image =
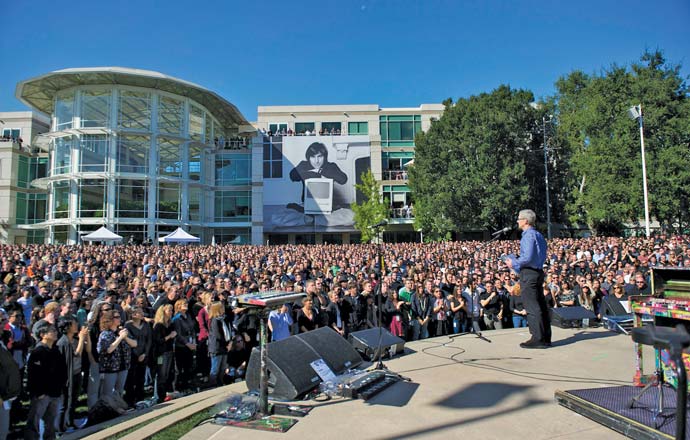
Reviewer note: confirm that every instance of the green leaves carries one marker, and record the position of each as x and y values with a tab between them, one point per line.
372	210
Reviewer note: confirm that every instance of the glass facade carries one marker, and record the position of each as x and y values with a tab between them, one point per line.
358	128
399	130
233	169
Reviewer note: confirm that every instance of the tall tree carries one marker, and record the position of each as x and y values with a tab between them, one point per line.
370	211
606	180
470	169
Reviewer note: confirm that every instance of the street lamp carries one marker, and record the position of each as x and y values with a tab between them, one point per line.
546	176
635	112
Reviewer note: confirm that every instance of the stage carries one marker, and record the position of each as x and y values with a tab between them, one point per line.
467	387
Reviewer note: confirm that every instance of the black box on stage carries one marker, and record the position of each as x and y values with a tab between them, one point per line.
367	341
571	317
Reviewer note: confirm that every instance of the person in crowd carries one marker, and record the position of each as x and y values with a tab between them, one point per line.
517	307
440	308
397	311
421	309
458	311
10	381
238	358
530	267
219	340
46	378
164	339
185	344
114	353
307	316
492	306
71	349
140	331
202	308
280	322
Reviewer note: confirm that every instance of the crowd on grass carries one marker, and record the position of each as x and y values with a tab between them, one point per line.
143	322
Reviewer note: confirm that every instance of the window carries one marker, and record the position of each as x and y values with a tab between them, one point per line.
233	169
195	203
169	157
23	172
273	159
331	127
132	198
134	110
277	128
302	127
60	234
358	128
133	154
194	163
94	153
31	208
35	236
12	133
92	198
61	199
170	115
399	130
168	201
196	123
63	155
233	206
64	111
95	108
232	235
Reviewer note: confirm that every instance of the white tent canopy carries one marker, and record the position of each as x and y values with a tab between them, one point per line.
102	234
179	236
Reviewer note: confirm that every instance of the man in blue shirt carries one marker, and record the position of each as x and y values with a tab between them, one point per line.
530	267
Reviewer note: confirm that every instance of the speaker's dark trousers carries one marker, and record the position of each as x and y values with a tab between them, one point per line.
532	291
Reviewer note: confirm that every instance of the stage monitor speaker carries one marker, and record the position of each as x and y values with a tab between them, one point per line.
367	342
290	375
338	354
570	317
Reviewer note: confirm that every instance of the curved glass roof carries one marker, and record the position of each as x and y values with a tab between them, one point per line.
39	92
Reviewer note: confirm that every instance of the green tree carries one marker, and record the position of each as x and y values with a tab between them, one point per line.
605	187
471	167
372	210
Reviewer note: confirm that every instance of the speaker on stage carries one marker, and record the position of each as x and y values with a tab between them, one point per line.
367	341
290	374
569	317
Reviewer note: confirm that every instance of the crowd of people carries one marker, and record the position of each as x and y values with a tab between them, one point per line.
131	320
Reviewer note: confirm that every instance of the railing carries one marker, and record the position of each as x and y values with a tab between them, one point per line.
401	213
394	175
231	144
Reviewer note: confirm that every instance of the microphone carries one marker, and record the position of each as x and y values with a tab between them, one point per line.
380	224
502	231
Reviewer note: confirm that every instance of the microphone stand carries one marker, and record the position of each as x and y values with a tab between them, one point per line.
382	270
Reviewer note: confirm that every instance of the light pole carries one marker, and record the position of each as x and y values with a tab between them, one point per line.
635	112
546	176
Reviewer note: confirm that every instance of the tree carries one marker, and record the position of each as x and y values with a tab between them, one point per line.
605	187
471	167
372	210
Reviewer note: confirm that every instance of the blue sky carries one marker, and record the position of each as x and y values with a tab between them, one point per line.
394	53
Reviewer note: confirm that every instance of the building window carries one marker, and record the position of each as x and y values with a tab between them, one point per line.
273	159
233	169
303	127
134	110
232	235
170	115
233	206
358	128
12	133
92	198
23	172
133	154
64	111
169	157
63	155
60	234
399	130
394	164
35	236
132	198
196	123
93	153
168	201
331	127
195	161
95	108
278	128
61	199
195	203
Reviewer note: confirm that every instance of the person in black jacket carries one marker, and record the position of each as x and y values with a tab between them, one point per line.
139	330
219	340
163	340
10	385
47	376
185	344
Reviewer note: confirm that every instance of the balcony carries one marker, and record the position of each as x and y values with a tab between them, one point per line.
398	175
401	215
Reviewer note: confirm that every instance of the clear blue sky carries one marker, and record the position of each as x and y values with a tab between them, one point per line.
389	52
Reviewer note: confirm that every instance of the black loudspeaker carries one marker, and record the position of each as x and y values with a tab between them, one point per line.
569	317
290	374
367	342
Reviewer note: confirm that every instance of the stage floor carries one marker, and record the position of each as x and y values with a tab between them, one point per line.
468	388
